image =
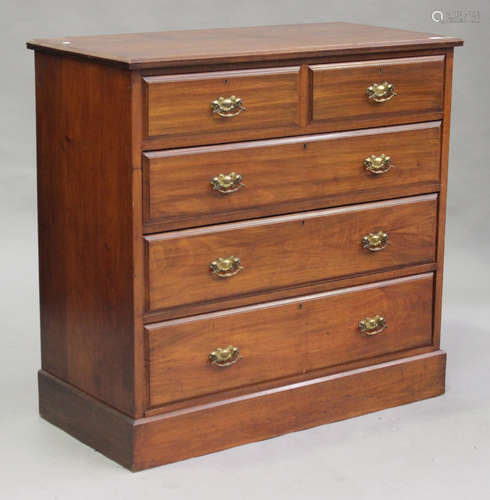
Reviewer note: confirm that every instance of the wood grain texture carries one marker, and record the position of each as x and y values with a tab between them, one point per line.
283	251
284	175
180	105
339	90
259	43
148	442
288	337
86	226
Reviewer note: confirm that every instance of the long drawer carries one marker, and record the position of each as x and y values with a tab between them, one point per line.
219	351
205	185
217	262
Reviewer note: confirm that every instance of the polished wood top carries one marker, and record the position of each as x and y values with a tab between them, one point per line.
225	45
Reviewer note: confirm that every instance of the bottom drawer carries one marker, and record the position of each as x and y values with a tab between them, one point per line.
286	337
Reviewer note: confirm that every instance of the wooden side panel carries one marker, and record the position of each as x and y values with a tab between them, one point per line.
86	226
286	338
280	252
339	91
181	105
196	431
285	175
92	422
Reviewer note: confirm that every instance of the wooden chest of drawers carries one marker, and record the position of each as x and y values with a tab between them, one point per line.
241	231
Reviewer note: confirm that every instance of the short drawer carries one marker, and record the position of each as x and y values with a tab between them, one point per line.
220	351
354	93
217	262
221	103
198	186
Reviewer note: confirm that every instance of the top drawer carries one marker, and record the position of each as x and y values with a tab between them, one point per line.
226	106
381	92
190	105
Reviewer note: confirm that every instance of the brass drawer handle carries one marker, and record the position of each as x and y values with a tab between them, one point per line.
227	183
224	356
225	267
372	326
375	241
378	164
381	92
227	107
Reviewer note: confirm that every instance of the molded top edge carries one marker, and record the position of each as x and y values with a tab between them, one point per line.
228	45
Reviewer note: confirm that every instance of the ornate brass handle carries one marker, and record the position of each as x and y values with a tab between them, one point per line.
227	183
226	267
381	92
224	356
372	326
375	241
227	106
378	164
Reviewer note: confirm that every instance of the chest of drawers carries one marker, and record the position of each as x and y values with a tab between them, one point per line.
241	231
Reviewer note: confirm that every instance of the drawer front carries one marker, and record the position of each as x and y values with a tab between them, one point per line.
182	105
286	337
183	267
340	96
193	186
